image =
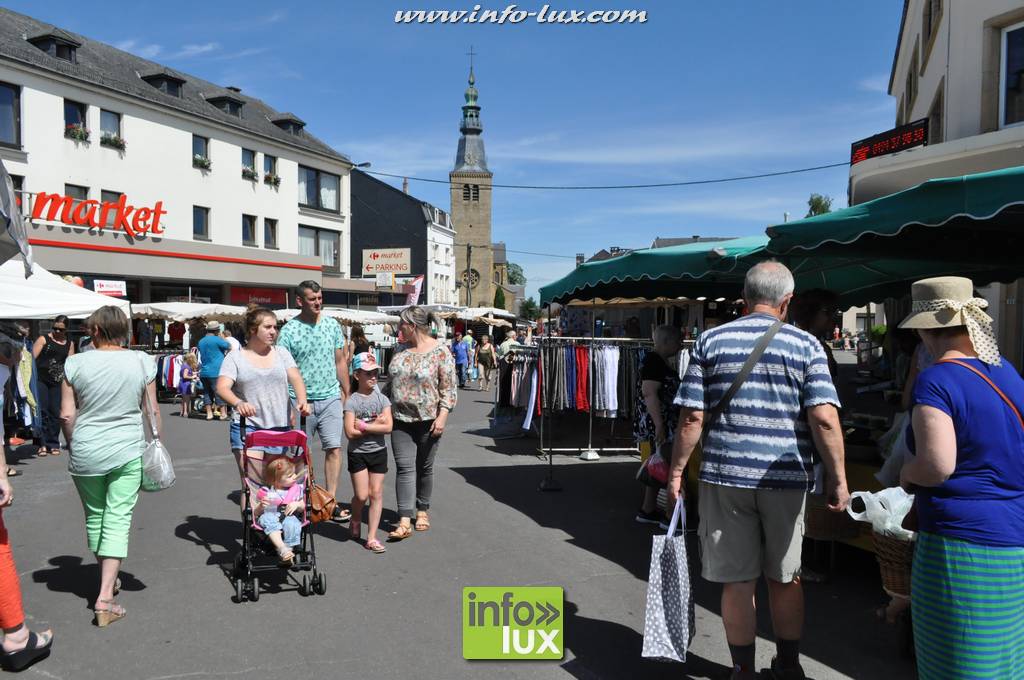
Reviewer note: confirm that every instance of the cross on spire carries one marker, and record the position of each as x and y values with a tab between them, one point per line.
471	54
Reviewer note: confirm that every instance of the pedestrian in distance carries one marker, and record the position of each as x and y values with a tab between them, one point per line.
51	352
367	420
967	477
486	360
187	384
231	340
460	352
423	391
212	349
316	343
102	417
764	389
276	505
255	382
357	344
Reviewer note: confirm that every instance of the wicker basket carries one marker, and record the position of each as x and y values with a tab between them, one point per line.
821	524
895	557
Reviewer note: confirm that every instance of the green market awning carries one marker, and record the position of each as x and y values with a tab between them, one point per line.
972	220
710	269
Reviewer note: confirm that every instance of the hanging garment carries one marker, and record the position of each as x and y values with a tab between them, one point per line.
533	397
582	379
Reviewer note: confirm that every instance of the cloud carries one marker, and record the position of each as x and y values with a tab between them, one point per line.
194	50
402	155
877	83
132	45
733	206
241	54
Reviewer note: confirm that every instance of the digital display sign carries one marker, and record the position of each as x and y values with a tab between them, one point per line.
898	139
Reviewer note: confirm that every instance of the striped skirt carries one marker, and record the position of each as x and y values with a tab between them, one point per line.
968	608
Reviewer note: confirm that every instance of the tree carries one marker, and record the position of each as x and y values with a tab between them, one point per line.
516	277
528	309
818	204
499	299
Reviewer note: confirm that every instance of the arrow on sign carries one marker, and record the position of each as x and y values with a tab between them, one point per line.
548	614
369	268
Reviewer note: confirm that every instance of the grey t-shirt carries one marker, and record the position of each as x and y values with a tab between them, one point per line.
264	388
367	407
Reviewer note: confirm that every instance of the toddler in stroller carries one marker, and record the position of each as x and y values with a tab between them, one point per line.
276	505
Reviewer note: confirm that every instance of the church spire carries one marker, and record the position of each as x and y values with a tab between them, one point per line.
471	156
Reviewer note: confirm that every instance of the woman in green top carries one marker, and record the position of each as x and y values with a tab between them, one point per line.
101	414
487	360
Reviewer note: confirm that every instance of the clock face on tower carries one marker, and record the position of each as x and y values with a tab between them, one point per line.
471	278
470	158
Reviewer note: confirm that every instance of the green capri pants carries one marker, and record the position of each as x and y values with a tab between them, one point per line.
108	501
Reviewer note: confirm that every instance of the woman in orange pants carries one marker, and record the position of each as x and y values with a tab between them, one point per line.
21	647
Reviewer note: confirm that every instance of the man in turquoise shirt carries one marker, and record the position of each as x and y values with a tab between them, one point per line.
212	349
318	347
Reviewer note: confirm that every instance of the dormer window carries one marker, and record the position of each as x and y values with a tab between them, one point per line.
289	122
228	104
165	80
57	43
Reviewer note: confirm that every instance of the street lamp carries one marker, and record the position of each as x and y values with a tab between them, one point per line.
362	165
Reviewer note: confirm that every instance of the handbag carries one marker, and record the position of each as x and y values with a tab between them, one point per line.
910	522
670	620
321	502
654	470
157	470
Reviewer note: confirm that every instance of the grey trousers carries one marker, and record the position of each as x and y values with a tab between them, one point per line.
414	451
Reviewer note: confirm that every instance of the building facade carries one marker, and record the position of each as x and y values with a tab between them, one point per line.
177	187
960	65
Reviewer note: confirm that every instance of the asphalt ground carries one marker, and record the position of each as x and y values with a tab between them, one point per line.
396	615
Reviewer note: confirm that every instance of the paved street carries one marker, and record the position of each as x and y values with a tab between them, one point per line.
395	615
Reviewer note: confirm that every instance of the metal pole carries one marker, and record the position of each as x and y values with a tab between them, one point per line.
590	453
549	483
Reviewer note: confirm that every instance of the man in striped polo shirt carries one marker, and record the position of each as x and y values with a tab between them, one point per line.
757	463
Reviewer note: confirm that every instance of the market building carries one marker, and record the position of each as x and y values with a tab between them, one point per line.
402	238
161	186
958	82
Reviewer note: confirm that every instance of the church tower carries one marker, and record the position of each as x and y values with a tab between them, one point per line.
471	207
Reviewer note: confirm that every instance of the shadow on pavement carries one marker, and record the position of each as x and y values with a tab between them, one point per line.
222	538
71	575
596	509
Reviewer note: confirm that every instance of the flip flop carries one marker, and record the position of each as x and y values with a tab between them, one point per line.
375	546
23	658
42	453
12	472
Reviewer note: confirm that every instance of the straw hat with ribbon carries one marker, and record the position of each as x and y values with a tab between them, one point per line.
948	302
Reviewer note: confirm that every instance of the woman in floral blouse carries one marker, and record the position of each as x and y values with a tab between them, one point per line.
423	390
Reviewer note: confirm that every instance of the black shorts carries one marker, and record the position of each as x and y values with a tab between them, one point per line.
376	462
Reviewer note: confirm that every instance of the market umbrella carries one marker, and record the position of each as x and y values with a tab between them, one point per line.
183	311
346	317
13	234
45	295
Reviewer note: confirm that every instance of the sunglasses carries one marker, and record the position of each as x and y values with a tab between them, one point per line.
59	329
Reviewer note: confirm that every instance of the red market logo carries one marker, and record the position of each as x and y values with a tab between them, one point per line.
89	213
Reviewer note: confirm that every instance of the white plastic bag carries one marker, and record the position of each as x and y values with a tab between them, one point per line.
885	511
157	471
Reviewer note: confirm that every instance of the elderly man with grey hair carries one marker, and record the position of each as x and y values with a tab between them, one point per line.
761	419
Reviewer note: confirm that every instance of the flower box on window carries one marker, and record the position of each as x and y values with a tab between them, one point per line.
77	132
113	141
272	179
201	162
249	174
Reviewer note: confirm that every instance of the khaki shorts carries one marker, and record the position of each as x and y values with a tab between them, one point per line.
748	532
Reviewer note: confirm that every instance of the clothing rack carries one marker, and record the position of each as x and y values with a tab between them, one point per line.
590	452
527	423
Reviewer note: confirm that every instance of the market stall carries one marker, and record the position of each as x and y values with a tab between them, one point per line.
44	295
184	311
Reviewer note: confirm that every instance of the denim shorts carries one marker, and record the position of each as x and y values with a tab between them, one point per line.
235	434
326	420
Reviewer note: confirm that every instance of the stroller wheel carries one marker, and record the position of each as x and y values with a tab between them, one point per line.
304	588
239	590
320	584
254	586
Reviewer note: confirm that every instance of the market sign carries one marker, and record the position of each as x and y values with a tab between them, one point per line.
111	288
386	261
89	213
258	296
898	139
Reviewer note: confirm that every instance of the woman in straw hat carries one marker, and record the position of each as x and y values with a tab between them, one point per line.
967	591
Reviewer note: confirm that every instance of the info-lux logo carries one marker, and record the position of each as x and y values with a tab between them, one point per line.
512	622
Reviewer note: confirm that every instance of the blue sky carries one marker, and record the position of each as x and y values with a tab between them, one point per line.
705	89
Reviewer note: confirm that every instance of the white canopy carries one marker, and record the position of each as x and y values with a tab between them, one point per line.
45	295
473	313
183	311
344	316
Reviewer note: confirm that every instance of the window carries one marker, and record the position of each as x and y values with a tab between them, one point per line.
931	17
110	197
78	193
249	230
66	52
1011	77
74	113
465	192
437	254
911	89
318	189
19	185
110	123
200	146
249	159
200	223
323	243
935	117
10	115
269	164
470	192
269	233
447	256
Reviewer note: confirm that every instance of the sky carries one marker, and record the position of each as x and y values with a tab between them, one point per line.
702	90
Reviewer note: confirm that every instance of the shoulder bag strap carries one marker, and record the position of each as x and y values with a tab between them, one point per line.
741	377
991	384
146	406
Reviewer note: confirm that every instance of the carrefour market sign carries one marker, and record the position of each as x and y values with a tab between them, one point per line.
88	213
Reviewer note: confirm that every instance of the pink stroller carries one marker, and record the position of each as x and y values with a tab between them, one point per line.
257	554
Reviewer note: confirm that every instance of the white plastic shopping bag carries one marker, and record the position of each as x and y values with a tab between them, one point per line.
157	471
670	621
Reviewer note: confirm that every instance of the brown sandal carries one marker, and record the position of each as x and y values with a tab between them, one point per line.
402	531
422	520
109	614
